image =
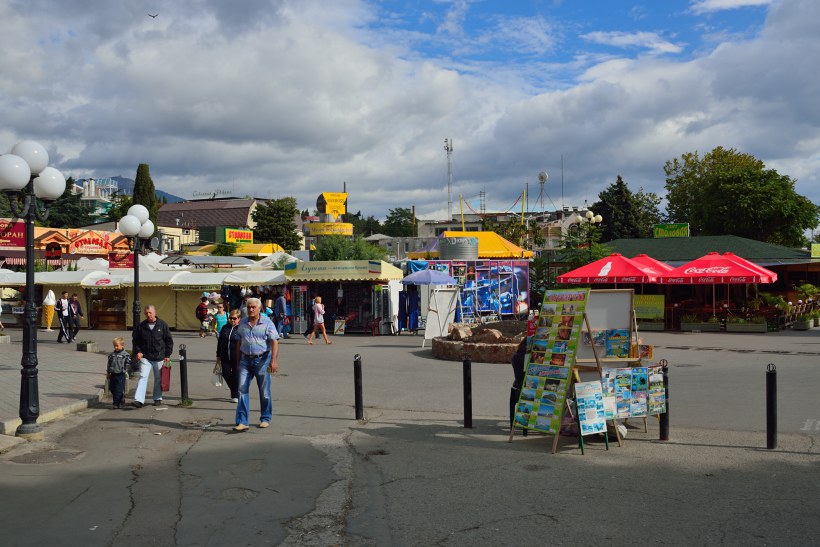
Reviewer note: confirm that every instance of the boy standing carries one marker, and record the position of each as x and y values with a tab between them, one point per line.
117	367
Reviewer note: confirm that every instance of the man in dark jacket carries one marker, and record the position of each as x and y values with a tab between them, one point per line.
153	346
75	313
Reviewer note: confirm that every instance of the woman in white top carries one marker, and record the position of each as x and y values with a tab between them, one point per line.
318	321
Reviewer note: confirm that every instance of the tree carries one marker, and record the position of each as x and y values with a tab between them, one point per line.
68	211
649	211
225	249
729	192
619	209
363	226
576	244
344	248
275	223
144	192
119	207
399	223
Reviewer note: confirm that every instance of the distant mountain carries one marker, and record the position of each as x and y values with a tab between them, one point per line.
126	186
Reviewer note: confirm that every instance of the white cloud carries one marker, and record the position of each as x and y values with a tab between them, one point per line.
649	40
708	6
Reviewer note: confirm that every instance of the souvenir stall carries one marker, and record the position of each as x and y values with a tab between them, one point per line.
188	288
106	300
348	290
155	289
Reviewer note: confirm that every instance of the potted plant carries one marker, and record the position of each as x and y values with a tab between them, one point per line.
803	322
815	318
754	323
87	345
695	323
652	324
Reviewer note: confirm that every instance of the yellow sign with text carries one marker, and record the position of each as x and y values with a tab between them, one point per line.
335	202
233	235
330	229
648	306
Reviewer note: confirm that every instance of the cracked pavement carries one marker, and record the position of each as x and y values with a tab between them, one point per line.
410	474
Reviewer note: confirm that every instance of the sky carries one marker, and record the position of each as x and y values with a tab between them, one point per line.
275	98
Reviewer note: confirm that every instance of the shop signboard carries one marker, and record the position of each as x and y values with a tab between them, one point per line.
330	228
815	250
236	235
648	306
54	251
334	203
91	242
120	260
680	229
12	233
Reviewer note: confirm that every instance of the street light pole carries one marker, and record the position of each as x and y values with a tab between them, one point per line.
136	226
590	219
25	175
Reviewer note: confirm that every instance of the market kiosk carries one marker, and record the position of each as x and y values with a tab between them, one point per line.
348	290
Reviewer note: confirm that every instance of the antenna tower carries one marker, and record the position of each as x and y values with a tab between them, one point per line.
448	147
482	200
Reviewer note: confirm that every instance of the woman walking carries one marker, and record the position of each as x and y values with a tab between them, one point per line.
318	321
226	354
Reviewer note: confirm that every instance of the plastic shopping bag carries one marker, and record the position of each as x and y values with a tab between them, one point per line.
165	378
216	376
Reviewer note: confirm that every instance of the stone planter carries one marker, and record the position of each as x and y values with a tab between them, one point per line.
815	321
801	325
746	327
90	347
650	326
5	339
703	327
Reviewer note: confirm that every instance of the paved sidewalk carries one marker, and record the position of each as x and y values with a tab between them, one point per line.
68	380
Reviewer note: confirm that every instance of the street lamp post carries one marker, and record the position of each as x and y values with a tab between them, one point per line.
136	226
590	219
26	177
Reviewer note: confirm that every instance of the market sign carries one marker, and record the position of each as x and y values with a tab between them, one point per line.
333	203
648	306
54	251
12	234
815	250
90	242
235	235
330	228
120	259
680	229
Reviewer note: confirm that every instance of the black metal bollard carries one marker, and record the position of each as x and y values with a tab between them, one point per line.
183	372
664	418
771	406
357	383
467	370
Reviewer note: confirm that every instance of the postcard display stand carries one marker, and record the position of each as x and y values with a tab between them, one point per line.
632	385
602	332
549	363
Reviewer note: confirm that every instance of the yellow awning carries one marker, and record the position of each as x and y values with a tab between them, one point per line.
243	249
490	245
342	270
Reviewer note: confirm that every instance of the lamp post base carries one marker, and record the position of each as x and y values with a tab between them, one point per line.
30	432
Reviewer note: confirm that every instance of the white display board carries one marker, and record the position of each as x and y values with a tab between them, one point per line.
607	310
441	313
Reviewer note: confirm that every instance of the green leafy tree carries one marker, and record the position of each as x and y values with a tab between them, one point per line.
345	248
144	192
399	223
225	249
275	223
68	211
582	245
363	226
728	192
649	211
119	207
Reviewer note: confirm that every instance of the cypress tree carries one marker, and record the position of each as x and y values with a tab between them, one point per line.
144	192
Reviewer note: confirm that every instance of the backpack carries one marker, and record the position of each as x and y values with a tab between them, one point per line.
201	312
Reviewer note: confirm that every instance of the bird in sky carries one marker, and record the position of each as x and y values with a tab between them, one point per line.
153	16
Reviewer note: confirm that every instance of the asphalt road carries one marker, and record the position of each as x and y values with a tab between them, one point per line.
411	474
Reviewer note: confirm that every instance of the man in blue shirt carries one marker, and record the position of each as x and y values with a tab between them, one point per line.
258	348
280	309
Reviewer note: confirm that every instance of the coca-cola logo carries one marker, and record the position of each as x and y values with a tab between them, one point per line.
675	280
738	280
629	280
103	281
709	270
707	279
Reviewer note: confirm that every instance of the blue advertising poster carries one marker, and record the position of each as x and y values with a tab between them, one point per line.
491	286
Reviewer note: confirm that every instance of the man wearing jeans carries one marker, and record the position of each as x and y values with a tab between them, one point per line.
153	346
258	348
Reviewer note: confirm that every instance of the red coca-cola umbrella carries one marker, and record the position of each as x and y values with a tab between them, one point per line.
749	264
614	268
654	263
714	268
